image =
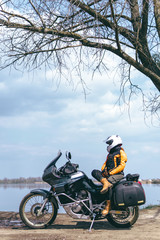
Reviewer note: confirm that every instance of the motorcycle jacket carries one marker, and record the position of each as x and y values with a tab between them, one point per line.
115	162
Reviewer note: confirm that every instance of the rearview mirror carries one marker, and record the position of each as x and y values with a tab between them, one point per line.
68	155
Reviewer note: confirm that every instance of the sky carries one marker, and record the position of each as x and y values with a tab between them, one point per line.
40	115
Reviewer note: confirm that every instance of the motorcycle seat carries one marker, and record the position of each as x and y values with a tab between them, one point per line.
96	185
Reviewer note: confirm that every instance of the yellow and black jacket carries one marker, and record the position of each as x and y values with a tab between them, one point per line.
115	162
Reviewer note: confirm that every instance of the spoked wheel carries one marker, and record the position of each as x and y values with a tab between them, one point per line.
30	214
124	220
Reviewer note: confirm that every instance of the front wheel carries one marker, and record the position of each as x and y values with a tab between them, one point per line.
125	219
29	211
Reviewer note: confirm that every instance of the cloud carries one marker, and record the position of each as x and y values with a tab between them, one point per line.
28	103
40	115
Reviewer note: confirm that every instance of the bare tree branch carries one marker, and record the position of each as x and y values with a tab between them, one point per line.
36	32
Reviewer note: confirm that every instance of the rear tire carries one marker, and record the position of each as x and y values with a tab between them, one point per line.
124	220
29	207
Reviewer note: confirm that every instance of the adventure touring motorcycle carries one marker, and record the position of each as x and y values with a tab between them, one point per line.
81	198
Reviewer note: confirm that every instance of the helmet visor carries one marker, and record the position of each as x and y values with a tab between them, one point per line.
109	142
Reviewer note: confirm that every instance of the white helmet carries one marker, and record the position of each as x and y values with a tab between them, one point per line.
113	141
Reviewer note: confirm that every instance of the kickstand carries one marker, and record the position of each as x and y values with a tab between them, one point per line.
94	215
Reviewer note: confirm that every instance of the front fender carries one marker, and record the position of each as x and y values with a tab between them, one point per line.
46	194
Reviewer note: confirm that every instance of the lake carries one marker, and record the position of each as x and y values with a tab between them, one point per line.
12	194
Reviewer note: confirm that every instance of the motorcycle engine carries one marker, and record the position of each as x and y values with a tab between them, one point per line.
77	209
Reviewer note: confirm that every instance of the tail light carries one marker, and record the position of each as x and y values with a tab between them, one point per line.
139	182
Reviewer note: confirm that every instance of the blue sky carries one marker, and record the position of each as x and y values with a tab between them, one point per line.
39	114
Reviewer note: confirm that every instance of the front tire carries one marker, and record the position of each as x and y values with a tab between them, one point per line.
29	207
125	220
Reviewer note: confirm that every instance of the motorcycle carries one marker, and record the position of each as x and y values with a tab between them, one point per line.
81	198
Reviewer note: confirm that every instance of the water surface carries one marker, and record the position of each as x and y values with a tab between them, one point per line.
12	194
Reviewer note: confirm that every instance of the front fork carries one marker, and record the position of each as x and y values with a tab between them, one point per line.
39	212
47	195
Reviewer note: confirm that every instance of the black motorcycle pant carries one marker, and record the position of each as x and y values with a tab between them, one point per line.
112	179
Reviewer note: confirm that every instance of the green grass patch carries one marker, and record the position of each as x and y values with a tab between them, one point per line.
151	206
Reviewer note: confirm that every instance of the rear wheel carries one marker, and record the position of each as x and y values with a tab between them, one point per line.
29	211
124	220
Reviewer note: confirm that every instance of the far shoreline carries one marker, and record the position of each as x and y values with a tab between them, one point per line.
38	180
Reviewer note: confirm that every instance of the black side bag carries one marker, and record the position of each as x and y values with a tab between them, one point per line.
128	194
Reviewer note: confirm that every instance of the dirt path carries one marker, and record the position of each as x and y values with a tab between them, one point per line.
65	228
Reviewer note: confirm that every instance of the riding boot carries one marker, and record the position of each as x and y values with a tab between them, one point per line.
107	208
106	185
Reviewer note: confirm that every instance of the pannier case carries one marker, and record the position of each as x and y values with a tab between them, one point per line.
129	194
